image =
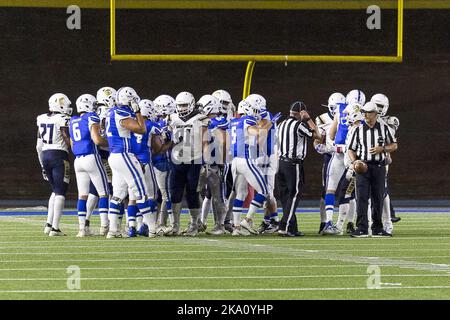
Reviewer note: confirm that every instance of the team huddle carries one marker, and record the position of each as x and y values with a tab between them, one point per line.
140	158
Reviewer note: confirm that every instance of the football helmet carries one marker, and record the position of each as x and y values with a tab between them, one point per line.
224	98
165	105
353	112
256	101
241	107
106	96
86	103
126	95
334	100
209	104
382	103
356	96
59	102
184	103
393	122
148	109
252	110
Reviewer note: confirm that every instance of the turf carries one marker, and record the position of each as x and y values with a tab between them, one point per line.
414	264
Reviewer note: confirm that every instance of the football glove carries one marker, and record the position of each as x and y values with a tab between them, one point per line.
44	174
135	106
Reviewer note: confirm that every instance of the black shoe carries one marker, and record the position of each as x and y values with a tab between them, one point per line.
291	234
274	222
350	227
381	234
263	226
359	234
228	227
396	219
322	225
88	223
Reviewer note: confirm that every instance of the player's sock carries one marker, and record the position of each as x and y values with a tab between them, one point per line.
103	205
176	211
386	215
113	215
58	211
131	215
323	214
351	210
139	220
237	211
120	217
256	204
343	210
51	209
195	216
329	206
91	204
274	216
148	214
81	208
206	208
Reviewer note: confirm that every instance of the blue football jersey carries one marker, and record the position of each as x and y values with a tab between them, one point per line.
118	136
242	145
342	128
80	133
161	157
141	143
269	145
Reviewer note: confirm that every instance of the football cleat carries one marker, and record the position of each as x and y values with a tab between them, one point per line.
56	233
396	219
263	226
143	230
191	231
104	230
112	235
88	232
381	234
152	234
47	228
359	234
132	232
330	229
322	225
239	231
248	225
81	233
217	230
350	227
202	227
228	227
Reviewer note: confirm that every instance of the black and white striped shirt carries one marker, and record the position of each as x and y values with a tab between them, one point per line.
292	135
363	138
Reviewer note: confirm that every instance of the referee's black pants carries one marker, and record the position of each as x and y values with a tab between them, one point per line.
370	184
289	181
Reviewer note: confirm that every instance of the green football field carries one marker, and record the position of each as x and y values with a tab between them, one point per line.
414	264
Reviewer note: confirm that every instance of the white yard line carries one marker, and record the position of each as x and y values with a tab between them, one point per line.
336	276
226	290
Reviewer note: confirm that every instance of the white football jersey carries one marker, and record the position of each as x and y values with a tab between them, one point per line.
49	126
188	135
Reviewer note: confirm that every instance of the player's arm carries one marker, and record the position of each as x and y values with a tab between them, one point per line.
66	136
39	145
96	135
137	126
255	129
333	128
307	119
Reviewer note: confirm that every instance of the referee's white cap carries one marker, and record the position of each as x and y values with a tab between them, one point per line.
369	107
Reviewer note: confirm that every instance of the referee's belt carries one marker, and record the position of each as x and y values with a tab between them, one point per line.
294	161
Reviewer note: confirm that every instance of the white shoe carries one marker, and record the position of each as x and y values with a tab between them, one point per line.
104	231
152	234
81	233
47	229
238	231
88	232
56	233
112	235
248	225
330	229
160	231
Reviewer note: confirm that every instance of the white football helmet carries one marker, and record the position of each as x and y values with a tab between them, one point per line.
224	99
209	104
256	101
334	100
356	96
59	102
107	96
393	122
382	103
353	112
148	109
241	107
252	110
185	103
126	95
165	105
86	103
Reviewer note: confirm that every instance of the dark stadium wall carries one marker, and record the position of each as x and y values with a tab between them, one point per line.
39	57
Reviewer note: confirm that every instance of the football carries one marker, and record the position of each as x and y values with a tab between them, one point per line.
360	166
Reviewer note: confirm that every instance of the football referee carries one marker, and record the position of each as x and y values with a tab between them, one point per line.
292	142
370	142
